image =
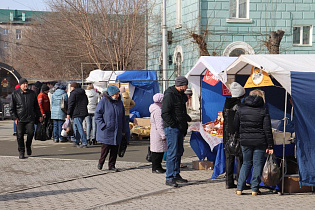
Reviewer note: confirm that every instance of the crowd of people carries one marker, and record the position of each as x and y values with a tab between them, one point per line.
107	119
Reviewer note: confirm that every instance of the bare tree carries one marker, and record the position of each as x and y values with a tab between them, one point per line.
108	33
273	43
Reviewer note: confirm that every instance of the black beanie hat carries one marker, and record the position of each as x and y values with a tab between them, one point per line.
45	87
181	81
22	81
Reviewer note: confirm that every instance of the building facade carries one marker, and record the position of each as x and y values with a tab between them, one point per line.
233	27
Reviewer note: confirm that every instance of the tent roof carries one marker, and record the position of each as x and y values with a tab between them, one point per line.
216	66
105	76
278	66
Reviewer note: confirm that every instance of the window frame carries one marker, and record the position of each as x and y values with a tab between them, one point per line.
5	31
237	19
301	36
18	35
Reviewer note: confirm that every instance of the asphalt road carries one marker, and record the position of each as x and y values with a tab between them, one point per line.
136	151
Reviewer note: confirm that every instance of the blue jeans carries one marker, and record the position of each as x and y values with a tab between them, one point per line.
90	126
175	150
78	130
57	129
127	128
252	156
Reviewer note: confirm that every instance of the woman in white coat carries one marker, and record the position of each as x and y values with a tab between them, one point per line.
158	143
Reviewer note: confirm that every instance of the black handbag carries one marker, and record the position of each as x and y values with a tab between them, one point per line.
40	133
233	145
123	146
149	155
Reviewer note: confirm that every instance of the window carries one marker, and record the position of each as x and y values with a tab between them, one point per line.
5	31
18	33
239	9
302	35
238	48
5	44
178	13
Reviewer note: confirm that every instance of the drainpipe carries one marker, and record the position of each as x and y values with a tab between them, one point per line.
164	47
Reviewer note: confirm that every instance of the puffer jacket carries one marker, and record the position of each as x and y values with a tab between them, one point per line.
128	103
253	122
174	111
56	112
110	118
93	99
230	107
24	106
157	144
77	104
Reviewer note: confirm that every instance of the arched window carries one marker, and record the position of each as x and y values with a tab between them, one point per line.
178	60
236	49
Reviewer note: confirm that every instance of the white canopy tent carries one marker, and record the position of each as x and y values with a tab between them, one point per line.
215	64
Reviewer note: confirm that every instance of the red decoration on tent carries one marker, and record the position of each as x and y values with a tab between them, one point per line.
225	90
209	78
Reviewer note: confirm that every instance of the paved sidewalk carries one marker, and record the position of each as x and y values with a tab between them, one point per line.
37	183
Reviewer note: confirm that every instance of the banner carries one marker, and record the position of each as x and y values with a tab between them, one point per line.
225	91
210	78
258	78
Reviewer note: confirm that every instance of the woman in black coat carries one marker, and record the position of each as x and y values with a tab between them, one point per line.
252	120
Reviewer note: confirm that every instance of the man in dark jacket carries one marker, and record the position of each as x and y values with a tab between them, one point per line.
175	118
230	107
77	109
25	111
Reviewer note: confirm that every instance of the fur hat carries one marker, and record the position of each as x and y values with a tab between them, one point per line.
181	81
22	81
237	90
112	90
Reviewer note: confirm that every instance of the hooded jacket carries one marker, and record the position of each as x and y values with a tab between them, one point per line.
77	104
56	112
174	111
93	99
157	135
128	103
253	122
110	118
24	106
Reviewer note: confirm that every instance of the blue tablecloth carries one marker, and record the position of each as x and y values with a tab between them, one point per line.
217	156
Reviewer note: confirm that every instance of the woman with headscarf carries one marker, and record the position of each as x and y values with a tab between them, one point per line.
109	118
158	143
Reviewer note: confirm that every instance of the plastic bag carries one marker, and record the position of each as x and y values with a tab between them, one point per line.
149	155
122	147
271	171
68	127
233	146
40	133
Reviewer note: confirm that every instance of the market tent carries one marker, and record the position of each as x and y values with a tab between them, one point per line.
296	74
146	85
215	64
101	78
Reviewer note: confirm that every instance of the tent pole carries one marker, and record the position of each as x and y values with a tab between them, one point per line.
283	145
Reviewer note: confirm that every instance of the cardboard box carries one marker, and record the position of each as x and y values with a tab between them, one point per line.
202	165
292	185
144	122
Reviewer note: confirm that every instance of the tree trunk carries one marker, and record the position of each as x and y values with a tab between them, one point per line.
273	44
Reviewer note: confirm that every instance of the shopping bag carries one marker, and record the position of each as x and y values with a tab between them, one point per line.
149	155
232	145
68	127
122	147
63	104
49	129
40	133
271	171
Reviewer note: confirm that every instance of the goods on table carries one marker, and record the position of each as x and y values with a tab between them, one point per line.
215	127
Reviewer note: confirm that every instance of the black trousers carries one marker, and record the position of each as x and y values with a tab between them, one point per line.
112	150
21	129
157	158
229	165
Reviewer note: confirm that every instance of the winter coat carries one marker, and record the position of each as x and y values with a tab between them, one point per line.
24	106
56	112
110	117
128	103
230	107
157	135
77	103
93	99
253	122
43	102
174	111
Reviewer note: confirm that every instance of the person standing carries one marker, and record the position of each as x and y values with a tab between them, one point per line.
109	117
14	125
158	143
254	125
25	111
230	107
77	109
56	113
93	99
128	104
175	118
44	103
